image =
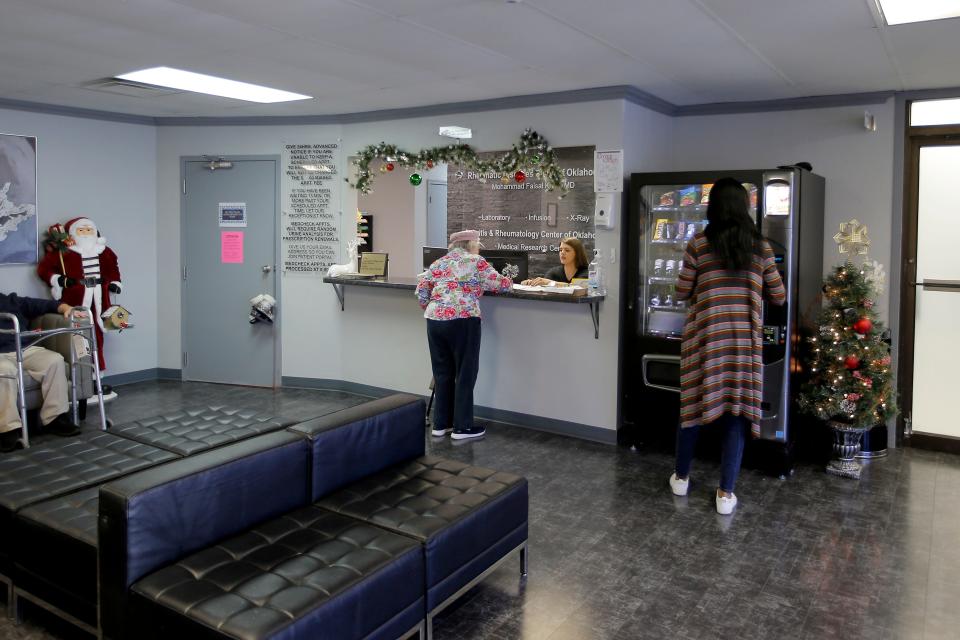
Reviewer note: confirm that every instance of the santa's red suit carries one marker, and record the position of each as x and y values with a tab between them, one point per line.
87	276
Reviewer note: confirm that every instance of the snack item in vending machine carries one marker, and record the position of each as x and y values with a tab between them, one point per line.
689	196
705	193
691	231
668	301
670	267
658	267
655	300
668	199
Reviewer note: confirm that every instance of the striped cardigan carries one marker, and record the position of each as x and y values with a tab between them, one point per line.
721	367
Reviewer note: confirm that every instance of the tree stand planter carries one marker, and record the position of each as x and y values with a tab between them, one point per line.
846	445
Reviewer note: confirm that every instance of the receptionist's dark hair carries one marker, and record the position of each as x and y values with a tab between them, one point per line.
579	253
731	232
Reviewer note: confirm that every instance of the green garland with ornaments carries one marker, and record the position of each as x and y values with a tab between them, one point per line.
849	362
531	155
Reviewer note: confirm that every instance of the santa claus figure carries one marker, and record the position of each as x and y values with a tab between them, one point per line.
83	273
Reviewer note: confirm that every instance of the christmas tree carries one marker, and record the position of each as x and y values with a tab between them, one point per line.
849	362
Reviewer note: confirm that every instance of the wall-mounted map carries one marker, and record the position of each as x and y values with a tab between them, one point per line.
18	199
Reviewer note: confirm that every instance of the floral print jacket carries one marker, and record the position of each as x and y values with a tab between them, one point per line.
452	286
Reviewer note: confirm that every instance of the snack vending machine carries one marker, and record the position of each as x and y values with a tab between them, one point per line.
666	211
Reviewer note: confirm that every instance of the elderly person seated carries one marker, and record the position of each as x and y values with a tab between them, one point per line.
45	366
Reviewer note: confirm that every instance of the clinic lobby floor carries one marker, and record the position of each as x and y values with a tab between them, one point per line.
614	555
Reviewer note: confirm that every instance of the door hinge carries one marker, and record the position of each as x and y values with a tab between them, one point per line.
184	272
184	186
184	359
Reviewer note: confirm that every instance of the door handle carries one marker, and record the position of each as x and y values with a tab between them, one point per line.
938	285
266	268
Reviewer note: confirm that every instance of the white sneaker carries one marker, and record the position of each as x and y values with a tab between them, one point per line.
439	433
725	504
679	486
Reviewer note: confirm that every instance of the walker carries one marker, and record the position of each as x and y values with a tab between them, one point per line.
76	328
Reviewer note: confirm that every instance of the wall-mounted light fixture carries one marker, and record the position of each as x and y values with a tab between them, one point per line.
459	133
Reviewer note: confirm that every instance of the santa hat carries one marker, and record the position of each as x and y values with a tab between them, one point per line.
81	222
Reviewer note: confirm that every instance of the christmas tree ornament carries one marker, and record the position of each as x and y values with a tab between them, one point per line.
383	168
416	179
851	362
852	238
390	166
519	176
429	164
863	326
505	179
535	158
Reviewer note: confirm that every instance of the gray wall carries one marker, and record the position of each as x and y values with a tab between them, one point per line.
858	164
105	171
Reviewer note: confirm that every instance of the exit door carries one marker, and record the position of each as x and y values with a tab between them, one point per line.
228	257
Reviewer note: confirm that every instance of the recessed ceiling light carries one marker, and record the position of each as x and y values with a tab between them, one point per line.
460	133
211	85
903	11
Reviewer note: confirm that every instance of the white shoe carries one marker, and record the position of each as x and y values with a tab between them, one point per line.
679	486
725	504
439	433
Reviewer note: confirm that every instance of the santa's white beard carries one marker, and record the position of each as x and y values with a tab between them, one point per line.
86	246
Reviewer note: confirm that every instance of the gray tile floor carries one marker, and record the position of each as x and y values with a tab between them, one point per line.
615	555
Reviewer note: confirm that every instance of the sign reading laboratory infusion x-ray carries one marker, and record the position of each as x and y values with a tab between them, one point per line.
524	216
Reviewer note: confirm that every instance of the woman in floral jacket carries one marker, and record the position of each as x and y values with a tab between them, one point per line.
450	291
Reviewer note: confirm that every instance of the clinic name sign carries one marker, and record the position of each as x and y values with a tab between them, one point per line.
310	229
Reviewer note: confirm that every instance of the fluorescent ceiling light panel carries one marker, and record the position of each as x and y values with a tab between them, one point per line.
211	85
461	133
903	11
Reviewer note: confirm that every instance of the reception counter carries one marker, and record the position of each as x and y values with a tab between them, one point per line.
410	284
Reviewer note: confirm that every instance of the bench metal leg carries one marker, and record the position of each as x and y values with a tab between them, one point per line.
524	559
15	609
9	589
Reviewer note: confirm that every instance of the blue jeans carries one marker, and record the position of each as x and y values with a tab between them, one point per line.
455	359
734	436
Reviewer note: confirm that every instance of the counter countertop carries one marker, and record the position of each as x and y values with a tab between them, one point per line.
411	284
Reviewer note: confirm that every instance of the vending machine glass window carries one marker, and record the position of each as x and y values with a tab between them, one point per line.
674	214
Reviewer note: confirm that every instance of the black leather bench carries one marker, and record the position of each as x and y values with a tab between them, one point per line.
46	471
467	518
307	574
191	431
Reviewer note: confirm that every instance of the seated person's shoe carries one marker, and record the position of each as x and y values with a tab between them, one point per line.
10	441
439	433
62	426
726	504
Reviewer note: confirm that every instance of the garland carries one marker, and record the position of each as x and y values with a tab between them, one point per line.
531	150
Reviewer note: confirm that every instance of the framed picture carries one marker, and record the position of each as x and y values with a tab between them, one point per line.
19	231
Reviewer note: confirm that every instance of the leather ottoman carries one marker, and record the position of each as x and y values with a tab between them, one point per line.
308	574
191	431
467	518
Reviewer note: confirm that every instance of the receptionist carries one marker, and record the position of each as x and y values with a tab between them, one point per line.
573	265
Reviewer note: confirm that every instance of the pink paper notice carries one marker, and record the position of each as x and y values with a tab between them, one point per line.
231	247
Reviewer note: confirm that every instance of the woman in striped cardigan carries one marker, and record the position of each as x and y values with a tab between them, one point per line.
727	271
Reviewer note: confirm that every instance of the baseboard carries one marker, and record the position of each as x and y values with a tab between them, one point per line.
169	374
537	423
946	444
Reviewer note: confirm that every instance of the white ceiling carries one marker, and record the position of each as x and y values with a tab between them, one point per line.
364	55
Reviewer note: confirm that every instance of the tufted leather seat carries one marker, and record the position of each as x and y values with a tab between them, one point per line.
190	431
467	517
53	535
308	574
62	466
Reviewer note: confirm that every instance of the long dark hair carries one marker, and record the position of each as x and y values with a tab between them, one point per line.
731	232
579	253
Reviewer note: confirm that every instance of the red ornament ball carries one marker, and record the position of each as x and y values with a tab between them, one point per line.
863	326
852	362
390	166
429	164
519	176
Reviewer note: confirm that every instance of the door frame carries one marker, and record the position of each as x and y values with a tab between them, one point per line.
915	139
426	223
277	254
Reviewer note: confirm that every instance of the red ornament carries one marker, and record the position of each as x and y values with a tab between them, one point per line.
389	166
429	164
863	326
519	176
852	362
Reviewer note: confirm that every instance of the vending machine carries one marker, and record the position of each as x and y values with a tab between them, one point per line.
666	210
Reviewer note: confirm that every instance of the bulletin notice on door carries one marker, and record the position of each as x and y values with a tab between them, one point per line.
310	238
